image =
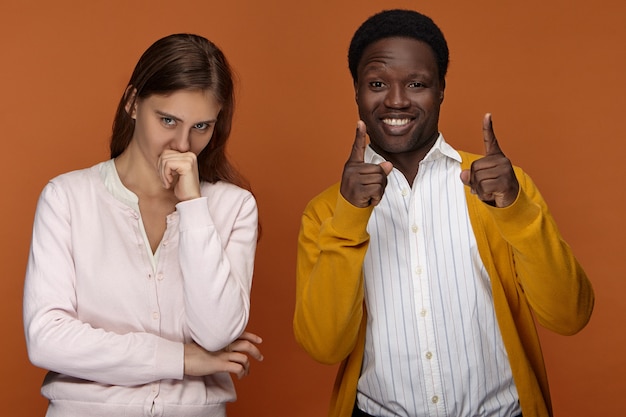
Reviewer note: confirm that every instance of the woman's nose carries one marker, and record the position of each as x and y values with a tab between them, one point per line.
180	142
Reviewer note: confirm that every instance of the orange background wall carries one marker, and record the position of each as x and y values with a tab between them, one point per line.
552	72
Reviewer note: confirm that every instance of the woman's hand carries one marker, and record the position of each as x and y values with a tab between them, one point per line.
180	171
233	359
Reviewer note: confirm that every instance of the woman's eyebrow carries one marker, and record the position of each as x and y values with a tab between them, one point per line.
178	119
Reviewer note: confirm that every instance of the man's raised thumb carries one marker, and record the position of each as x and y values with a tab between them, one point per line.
386	166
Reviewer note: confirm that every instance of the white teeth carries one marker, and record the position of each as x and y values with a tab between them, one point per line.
396	122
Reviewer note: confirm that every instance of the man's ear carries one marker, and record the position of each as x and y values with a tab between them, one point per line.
442	91
130	96
356	92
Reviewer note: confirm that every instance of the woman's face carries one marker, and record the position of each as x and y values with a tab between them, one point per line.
182	121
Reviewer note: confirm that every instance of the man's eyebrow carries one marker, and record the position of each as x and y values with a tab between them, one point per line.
178	119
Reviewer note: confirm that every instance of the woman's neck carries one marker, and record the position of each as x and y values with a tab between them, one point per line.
139	175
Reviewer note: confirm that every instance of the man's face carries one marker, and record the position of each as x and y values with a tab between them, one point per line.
398	93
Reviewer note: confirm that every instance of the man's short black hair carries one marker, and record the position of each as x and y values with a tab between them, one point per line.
403	24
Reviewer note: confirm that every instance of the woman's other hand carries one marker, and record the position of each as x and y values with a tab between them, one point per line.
235	358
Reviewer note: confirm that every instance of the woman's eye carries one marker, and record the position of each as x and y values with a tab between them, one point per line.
201	126
168	121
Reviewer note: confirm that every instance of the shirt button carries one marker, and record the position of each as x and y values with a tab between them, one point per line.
435	399
160	277
414	229
429	355
418	270
155	315
405	192
423	313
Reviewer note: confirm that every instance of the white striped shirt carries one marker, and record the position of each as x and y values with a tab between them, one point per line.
433	346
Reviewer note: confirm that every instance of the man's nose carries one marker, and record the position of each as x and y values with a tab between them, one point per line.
397	97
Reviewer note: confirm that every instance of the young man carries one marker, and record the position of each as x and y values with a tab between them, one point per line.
422	270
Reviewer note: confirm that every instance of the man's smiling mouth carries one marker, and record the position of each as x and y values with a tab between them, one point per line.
396	122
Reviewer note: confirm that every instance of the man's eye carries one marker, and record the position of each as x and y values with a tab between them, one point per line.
168	121
416	84
377	84
201	126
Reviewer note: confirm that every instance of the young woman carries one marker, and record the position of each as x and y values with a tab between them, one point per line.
138	283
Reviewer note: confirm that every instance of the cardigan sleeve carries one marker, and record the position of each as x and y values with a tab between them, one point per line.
218	236
56	338
329	286
555	285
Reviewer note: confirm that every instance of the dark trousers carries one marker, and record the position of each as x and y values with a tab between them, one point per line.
358	413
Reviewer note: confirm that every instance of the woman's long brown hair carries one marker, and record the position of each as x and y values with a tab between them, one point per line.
184	62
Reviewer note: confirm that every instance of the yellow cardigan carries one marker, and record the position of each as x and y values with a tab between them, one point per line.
533	275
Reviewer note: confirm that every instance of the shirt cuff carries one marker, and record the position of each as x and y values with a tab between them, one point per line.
170	360
350	220
194	214
519	215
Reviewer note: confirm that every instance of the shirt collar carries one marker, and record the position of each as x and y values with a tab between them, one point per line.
440	149
113	183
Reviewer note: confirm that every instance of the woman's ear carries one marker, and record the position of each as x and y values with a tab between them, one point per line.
130	96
